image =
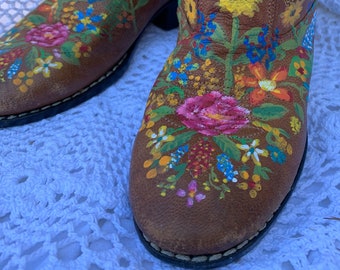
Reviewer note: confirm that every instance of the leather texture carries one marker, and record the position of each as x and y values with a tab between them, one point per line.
224	129
63	47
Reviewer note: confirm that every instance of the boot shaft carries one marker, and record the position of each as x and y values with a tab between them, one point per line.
277	16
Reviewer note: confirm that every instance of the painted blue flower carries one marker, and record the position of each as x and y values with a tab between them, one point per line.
202	39
266	47
87	21
276	154
182	68
307	42
14	68
177	155
226	167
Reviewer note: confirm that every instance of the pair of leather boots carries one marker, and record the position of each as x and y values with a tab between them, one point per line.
223	137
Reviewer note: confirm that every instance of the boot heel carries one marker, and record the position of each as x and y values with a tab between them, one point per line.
166	18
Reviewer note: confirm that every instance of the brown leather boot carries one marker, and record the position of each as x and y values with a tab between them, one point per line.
64	52
224	132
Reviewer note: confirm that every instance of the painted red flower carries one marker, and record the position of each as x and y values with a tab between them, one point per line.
48	35
302	52
213	114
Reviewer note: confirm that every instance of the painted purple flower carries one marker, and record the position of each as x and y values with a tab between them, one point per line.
48	35
213	114
191	194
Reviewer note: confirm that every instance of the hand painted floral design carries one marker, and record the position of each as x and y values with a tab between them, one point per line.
125	19
225	166
202	39
240	7
24	80
58	34
48	35
213	114
220	137
292	13
157	139
276	154
301	71
88	21
251	151
182	68
45	65
191	11
192	194
200	158
262	85
265	49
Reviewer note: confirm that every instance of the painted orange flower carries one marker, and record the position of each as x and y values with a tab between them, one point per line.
263	85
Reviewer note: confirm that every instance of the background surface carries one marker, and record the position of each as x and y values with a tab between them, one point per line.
64	180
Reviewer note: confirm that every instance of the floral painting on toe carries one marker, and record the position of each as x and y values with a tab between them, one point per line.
229	102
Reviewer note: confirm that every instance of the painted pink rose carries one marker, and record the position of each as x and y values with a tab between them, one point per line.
213	114
48	35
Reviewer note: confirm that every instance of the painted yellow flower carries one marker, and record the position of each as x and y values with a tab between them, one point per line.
44	66
301	70
24	80
68	17
295	125
251	151
157	139
8	41
81	49
162	162
240	7
172	100
292	13
253	185
191	11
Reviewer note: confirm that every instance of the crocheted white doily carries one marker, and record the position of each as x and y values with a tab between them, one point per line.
64	180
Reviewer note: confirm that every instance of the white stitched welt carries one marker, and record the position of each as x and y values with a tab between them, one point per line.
60	102
211	258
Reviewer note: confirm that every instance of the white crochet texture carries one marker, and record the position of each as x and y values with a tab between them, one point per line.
64	180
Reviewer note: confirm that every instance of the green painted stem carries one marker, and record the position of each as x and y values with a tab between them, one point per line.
133	13
229	62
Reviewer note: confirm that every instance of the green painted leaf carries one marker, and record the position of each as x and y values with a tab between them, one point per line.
141	3
252	34
299	111
177	90
243	59
263	172
269	111
284	133
181	170
179	140
86	37
68	54
160	84
228	147
161	112
224	189
290	44
30	59
36	19
219	35
302	31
